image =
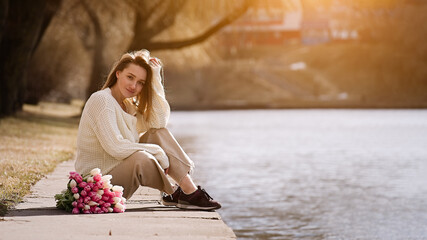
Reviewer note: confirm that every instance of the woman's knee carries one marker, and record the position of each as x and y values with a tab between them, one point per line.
154	134
158	130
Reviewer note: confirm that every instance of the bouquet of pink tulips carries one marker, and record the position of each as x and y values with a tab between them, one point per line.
91	194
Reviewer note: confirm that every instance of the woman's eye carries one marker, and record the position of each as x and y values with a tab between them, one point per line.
130	77
140	83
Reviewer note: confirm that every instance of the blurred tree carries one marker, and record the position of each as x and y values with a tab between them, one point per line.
22	24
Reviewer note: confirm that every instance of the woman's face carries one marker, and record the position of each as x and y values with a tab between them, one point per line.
131	80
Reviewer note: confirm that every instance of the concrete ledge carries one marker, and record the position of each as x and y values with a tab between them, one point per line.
145	217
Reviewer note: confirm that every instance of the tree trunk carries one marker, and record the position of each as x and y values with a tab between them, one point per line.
19	37
99	67
4	8
35	90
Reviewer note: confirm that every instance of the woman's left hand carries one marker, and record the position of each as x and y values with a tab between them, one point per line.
155	62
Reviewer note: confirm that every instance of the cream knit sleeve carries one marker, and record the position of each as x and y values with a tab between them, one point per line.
112	141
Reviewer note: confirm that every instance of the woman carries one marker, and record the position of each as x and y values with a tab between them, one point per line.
123	132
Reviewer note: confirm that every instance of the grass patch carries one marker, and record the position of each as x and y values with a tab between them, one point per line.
31	146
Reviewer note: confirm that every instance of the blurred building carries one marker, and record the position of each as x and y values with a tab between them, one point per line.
341	27
308	23
268	25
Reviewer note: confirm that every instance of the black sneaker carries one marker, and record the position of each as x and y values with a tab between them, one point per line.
171	199
198	200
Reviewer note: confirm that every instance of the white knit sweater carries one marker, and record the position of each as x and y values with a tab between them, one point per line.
107	134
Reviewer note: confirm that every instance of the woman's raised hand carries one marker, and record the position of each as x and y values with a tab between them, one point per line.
155	62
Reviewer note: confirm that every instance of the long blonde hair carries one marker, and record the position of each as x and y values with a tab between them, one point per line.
141	58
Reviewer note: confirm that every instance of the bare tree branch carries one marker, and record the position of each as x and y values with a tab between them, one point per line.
161	45
164	19
142	30
145	15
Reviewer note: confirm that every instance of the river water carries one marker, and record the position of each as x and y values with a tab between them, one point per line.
312	174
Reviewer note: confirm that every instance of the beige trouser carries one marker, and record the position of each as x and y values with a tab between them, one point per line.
143	169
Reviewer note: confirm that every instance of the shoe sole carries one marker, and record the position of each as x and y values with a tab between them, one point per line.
169	204
194	207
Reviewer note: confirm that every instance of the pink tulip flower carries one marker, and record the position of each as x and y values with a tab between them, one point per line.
87	188
100	184
87	200
96	198
73	175
76	210
91	194
83	193
105	198
78	179
97	178
92	209
74	190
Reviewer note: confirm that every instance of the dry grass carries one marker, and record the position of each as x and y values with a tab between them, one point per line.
30	147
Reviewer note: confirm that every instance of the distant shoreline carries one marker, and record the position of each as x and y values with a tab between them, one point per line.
296	106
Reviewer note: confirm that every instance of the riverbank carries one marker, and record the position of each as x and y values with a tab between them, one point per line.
145	218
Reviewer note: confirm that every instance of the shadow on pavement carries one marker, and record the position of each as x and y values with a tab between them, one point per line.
53	211
47	211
